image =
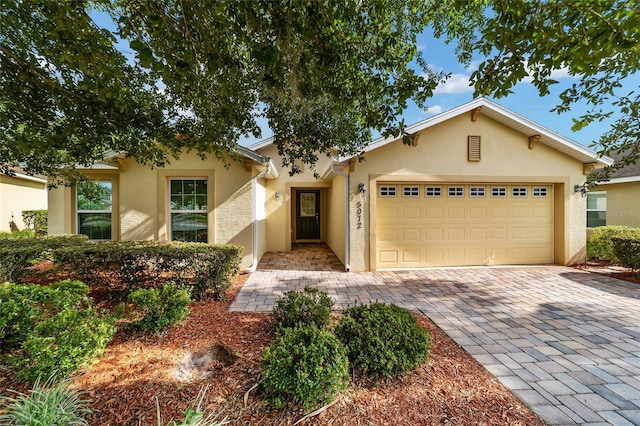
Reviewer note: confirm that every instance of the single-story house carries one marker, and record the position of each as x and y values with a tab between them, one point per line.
617	201
18	193
479	185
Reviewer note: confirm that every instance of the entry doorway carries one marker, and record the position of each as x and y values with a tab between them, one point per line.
307	215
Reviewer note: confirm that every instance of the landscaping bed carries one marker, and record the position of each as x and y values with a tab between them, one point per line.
139	369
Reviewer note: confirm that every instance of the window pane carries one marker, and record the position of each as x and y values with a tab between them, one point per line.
97	226
189	227
94	195
201	187
597	201
596	219
176	187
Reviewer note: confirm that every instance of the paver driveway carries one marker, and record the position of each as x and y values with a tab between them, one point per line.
566	342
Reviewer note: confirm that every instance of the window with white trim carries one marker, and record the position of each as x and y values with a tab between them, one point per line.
433	191
540	191
387	191
519	191
596	209
455	191
93	208
410	191
476	191
188	206
499	191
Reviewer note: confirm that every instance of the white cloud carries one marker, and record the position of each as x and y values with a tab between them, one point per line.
433	110
556	74
456	83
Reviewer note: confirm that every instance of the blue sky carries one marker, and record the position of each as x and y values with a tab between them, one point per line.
456	91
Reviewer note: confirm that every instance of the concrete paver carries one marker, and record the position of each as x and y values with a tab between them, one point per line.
566	342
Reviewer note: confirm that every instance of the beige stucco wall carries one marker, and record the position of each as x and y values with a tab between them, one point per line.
143	205
17	195
623	203
336	217
279	226
441	155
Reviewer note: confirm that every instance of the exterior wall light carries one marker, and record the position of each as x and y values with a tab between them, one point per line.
582	189
278	194
362	189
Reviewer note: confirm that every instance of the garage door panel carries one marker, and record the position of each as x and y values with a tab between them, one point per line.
418	231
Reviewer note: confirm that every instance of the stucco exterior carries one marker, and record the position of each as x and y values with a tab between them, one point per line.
623	203
252	193
17	194
140	196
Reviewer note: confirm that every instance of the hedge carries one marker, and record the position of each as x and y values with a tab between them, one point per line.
627	250
139	264
600	245
19	254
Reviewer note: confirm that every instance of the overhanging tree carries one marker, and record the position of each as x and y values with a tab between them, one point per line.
323	73
596	41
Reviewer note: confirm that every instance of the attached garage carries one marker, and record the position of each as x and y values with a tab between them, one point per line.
422	224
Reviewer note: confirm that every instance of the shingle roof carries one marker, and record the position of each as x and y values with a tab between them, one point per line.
627	171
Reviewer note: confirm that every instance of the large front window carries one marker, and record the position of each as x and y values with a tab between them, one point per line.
596	209
94	209
188	207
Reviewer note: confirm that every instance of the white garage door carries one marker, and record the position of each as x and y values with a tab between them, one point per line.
420	225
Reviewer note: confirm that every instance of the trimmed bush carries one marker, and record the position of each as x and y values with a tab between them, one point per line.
56	331
25	233
383	340
305	365
308	307
203	267
600	244
161	308
19	254
22	306
627	249
48	403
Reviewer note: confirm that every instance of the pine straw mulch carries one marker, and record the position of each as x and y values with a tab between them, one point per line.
139	369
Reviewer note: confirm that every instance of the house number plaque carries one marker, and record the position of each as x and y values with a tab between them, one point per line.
359	215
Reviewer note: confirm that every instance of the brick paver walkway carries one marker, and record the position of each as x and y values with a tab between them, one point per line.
566	342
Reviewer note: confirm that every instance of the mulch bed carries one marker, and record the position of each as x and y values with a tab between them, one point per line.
139	371
610	269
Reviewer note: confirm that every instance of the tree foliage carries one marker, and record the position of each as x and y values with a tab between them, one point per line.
323	73
595	41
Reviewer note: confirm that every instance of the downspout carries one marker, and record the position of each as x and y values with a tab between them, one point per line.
254	183
347	227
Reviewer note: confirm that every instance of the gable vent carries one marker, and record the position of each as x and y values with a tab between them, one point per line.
473	143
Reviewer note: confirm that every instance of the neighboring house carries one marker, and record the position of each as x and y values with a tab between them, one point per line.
18	193
616	202
480	185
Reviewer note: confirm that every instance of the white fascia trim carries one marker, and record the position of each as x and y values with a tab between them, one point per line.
627	179
261	144
29	178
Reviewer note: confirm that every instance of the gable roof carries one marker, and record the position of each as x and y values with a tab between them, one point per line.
629	173
498	113
510	119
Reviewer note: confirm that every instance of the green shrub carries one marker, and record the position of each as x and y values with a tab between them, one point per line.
383	340
627	250
161	308
306	365
23	305
17	255
600	245
36	221
24	233
307	307
140	264
51	329
64	342
46	404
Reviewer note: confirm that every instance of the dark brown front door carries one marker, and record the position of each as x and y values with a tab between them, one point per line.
308	215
